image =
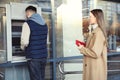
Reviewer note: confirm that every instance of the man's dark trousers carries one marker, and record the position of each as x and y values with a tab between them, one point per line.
37	68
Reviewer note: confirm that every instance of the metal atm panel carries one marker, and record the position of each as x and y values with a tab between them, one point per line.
3	48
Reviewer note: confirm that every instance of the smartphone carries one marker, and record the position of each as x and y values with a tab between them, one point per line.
78	43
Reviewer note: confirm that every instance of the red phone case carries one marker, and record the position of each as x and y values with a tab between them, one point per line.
78	43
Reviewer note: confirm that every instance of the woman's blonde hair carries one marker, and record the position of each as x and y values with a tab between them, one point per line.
98	13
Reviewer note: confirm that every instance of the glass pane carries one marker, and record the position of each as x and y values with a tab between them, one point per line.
68	29
112	17
68	26
114	75
49	68
2	35
48	18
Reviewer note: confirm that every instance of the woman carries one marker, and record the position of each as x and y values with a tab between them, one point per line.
95	52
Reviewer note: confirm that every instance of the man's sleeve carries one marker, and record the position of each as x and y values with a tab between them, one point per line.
25	36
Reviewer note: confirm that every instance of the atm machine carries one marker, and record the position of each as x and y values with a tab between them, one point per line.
12	17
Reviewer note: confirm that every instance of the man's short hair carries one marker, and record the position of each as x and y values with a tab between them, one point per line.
32	8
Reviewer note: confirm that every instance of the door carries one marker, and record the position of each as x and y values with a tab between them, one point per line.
67	27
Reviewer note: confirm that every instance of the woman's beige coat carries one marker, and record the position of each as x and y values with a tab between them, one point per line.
95	57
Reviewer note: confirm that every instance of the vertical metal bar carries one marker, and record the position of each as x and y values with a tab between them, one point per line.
9	34
53	39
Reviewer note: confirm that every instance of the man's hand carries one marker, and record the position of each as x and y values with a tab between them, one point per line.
24	46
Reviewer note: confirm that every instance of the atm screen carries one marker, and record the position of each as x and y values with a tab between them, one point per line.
16	34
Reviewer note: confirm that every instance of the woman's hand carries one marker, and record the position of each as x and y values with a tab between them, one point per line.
79	47
80	44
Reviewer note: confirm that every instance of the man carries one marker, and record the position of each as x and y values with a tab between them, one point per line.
34	43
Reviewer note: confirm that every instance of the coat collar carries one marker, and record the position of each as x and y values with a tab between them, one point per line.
92	34
94	26
95	30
